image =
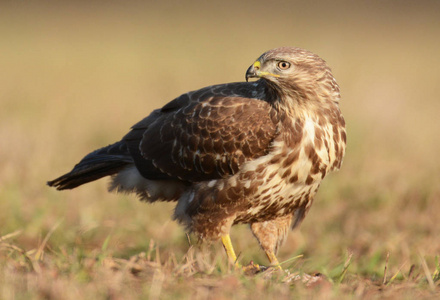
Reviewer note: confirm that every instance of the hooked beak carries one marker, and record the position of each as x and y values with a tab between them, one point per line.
253	71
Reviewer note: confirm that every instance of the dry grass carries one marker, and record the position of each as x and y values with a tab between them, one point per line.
76	76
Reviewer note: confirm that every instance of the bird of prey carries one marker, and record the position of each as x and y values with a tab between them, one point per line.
236	153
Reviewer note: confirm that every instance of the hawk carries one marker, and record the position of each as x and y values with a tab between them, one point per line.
236	153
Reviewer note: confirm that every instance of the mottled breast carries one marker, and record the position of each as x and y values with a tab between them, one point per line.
309	147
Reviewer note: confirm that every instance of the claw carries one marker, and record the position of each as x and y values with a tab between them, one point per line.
251	268
273	260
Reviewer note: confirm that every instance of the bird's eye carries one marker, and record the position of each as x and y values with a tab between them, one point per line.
283	65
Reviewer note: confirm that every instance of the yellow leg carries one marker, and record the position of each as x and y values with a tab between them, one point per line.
226	240
273	259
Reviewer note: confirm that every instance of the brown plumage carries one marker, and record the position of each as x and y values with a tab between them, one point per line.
246	152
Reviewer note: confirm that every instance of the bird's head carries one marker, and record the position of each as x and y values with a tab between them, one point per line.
295	73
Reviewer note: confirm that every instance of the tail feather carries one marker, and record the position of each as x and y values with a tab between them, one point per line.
102	162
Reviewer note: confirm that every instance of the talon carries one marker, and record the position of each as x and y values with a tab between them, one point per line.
273	260
252	269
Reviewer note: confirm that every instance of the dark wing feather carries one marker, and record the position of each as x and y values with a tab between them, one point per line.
133	140
206	134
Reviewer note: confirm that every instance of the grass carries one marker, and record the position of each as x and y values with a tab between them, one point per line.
76	77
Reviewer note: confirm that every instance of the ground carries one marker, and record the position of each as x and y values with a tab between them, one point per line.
75	78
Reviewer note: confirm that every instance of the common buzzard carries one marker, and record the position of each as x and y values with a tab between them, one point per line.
244	152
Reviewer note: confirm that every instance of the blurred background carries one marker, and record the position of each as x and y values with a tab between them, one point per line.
74	76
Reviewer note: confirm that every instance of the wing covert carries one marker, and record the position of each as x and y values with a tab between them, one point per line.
202	136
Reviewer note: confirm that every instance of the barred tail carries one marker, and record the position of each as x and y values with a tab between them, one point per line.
100	163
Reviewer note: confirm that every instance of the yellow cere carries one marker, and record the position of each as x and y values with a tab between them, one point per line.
257	65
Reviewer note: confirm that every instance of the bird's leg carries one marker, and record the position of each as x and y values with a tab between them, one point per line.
251	268
273	259
226	240
271	234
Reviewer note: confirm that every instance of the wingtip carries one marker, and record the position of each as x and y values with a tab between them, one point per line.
53	183
56	183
